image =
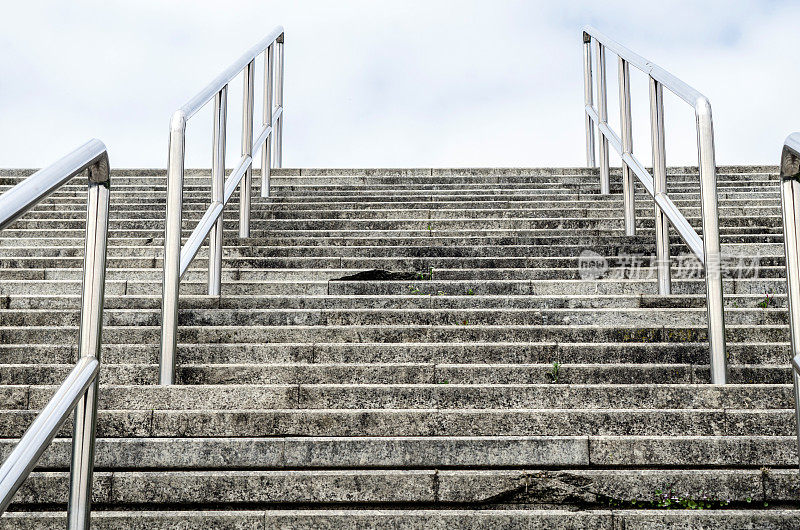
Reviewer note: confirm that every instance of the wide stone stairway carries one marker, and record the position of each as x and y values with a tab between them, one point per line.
412	348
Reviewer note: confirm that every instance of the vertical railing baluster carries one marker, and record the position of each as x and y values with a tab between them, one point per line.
89	340
279	101
790	207
796	383
588	98
660	185
172	249
266	150
217	191
628	190
711	242
602	116
247	150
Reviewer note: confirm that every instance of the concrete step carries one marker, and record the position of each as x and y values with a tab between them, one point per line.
427	422
418	396
474	352
433	301
598	519
420	316
478	286
436	452
399	373
371	487
457	332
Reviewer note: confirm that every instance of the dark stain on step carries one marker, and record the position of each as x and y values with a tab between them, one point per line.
551	488
378	275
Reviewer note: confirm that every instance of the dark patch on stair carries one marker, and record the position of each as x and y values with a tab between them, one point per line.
378	275
551	488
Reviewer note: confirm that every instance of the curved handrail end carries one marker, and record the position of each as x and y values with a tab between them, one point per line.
100	170
790	156
177	123
702	107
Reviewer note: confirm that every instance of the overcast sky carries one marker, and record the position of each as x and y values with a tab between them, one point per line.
401	83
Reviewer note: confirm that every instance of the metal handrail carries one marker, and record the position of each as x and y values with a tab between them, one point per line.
707	248
790	206
79	390
177	258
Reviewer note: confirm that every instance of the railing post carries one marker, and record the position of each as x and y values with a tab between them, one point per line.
588	98
660	185
602	116
266	150
711	244
279	101
790	206
172	249
89	340
796	384
217	192
247	150
628	190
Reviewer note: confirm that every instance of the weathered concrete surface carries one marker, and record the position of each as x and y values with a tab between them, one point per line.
406	348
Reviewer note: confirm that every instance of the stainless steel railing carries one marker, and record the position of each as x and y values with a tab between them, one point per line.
707	248
79	390
177	258
790	203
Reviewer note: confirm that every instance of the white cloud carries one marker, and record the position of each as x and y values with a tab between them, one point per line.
376	83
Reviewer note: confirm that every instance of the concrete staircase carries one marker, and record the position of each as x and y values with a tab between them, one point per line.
412	349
